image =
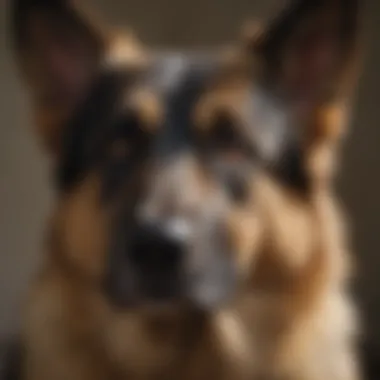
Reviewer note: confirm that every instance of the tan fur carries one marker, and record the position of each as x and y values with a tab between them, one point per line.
297	312
290	318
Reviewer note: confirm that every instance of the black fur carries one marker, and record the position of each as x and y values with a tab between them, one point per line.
84	135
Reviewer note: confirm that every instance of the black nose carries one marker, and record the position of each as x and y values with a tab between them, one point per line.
155	252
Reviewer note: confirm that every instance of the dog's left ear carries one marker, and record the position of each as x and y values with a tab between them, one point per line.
309	49
309	56
58	50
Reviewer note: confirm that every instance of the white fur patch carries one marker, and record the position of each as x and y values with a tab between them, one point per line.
268	123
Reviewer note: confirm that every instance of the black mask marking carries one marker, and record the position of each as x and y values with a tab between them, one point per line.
88	128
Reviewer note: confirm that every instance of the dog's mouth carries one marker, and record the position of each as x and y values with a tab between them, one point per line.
176	260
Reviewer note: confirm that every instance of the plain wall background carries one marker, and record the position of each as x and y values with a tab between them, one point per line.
25	198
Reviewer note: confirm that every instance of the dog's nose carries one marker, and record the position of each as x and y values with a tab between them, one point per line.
155	251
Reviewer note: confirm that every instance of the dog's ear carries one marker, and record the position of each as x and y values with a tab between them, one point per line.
309	57
58	51
308	50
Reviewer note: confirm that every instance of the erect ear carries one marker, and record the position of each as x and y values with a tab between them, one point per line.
309	49
307	57
58	51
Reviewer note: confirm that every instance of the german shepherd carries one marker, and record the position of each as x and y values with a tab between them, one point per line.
196	233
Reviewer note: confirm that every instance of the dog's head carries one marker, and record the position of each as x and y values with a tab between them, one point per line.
156	156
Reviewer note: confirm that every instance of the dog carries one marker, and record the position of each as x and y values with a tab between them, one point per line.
196	231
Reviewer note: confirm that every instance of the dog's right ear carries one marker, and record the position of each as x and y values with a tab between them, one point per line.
58	51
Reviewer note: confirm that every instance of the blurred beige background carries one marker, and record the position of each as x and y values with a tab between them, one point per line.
24	191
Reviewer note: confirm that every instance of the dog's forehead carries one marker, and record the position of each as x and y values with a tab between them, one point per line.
179	79
170	70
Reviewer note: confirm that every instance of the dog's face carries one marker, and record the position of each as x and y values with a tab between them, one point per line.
157	157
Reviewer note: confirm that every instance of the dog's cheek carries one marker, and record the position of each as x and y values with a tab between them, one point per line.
84	229
245	230
211	269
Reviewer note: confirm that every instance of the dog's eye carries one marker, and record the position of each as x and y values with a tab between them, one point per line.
226	139
230	156
117	167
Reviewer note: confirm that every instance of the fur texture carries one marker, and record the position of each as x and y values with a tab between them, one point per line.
262	131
